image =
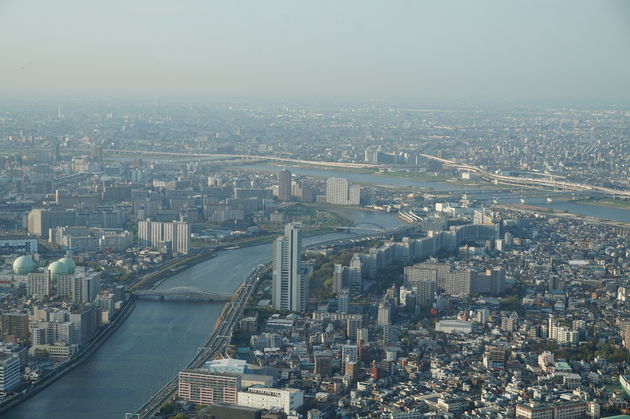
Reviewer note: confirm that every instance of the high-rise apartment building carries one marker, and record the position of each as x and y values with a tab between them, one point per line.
423	282
456	282
204	387
355	273
340	192
84	323
353	325
284	185
86	287
154	233
343	301
10	376
341	275
323	365
40	220
15	327
384	315
425	293
38	285
349	352
178	233
289	287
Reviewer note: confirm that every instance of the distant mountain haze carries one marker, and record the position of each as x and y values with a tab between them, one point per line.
523	51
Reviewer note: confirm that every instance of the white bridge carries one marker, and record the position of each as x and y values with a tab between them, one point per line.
182	294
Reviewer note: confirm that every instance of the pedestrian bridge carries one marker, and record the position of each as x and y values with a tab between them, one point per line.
182	294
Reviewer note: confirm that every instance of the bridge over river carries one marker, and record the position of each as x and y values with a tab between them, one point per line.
362	228
182	294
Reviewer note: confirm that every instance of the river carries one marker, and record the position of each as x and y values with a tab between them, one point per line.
482	194
158	339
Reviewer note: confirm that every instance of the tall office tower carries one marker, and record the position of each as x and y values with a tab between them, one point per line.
288	285
284	185
355	273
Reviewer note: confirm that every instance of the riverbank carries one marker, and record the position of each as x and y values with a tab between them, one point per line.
154	278
606	202
562	214
70	364
434	182
167	334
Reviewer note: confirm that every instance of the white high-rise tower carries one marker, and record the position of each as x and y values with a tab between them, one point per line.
288	286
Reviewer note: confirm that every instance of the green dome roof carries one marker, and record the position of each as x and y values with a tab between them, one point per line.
69	263
23	265
58	268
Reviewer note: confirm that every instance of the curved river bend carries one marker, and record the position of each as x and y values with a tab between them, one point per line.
157	340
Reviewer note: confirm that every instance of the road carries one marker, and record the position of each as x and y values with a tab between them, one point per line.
529	182
245	157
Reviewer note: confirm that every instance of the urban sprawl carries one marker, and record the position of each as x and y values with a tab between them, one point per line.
479	299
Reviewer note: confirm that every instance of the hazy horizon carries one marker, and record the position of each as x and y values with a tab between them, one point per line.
571	52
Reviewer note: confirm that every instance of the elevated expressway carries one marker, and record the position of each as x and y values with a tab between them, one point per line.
550	182
240	156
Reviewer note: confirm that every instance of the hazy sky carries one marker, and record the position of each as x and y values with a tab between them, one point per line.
573	51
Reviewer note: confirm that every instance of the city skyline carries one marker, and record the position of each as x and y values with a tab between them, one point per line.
315	210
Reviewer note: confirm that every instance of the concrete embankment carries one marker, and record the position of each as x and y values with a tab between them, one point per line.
84	354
